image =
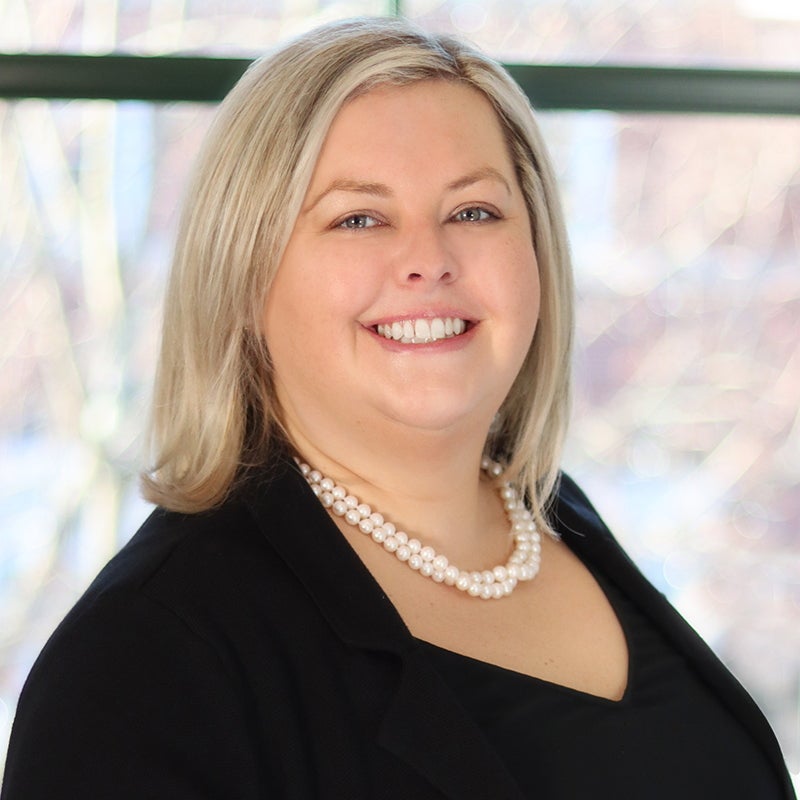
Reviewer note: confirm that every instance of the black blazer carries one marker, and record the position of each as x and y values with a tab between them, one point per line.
247	653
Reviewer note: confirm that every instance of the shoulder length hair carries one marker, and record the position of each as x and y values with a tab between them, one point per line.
214	410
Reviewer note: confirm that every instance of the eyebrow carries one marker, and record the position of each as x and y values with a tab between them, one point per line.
359	187
382	190
482	174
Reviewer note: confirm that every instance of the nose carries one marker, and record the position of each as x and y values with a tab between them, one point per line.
427	259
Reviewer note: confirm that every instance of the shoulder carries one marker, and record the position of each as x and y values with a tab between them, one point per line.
184	584
572	513
579	524
195	554
206	584
150	661
150	599
136	670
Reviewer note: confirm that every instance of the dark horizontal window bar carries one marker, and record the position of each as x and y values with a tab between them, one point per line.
615	88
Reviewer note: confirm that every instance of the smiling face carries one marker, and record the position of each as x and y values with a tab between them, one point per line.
408	295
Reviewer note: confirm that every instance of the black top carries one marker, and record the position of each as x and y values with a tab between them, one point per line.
667	737
246	653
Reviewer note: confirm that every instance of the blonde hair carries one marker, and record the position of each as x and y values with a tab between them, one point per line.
214	408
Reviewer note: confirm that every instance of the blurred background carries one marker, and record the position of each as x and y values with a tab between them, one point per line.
686	238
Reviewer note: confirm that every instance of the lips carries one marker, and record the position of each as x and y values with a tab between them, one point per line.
422	330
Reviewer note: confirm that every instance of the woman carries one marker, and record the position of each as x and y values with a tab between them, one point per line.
371	299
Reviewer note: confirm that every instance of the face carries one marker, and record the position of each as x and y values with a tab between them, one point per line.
408	293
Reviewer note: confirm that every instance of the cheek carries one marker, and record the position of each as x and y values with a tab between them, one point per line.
528	305
278	310
315	302
532	291
515	283
288	313
523	297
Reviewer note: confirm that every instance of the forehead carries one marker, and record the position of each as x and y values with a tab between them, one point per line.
430	126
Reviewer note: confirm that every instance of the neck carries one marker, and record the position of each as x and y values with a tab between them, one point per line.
489	584
428	483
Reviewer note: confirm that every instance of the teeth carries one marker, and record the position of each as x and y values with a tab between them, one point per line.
422	331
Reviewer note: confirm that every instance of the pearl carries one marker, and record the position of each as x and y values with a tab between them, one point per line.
378	534
366	526
490	584
440	563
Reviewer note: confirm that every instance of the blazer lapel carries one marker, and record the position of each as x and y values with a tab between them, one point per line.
423	725
427	728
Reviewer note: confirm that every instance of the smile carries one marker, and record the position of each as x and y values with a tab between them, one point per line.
422	331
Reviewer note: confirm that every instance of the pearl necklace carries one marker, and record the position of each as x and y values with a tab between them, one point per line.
490	584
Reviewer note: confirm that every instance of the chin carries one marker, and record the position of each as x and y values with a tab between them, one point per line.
440	418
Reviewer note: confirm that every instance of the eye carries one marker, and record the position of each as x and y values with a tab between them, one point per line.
474	214
354	222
